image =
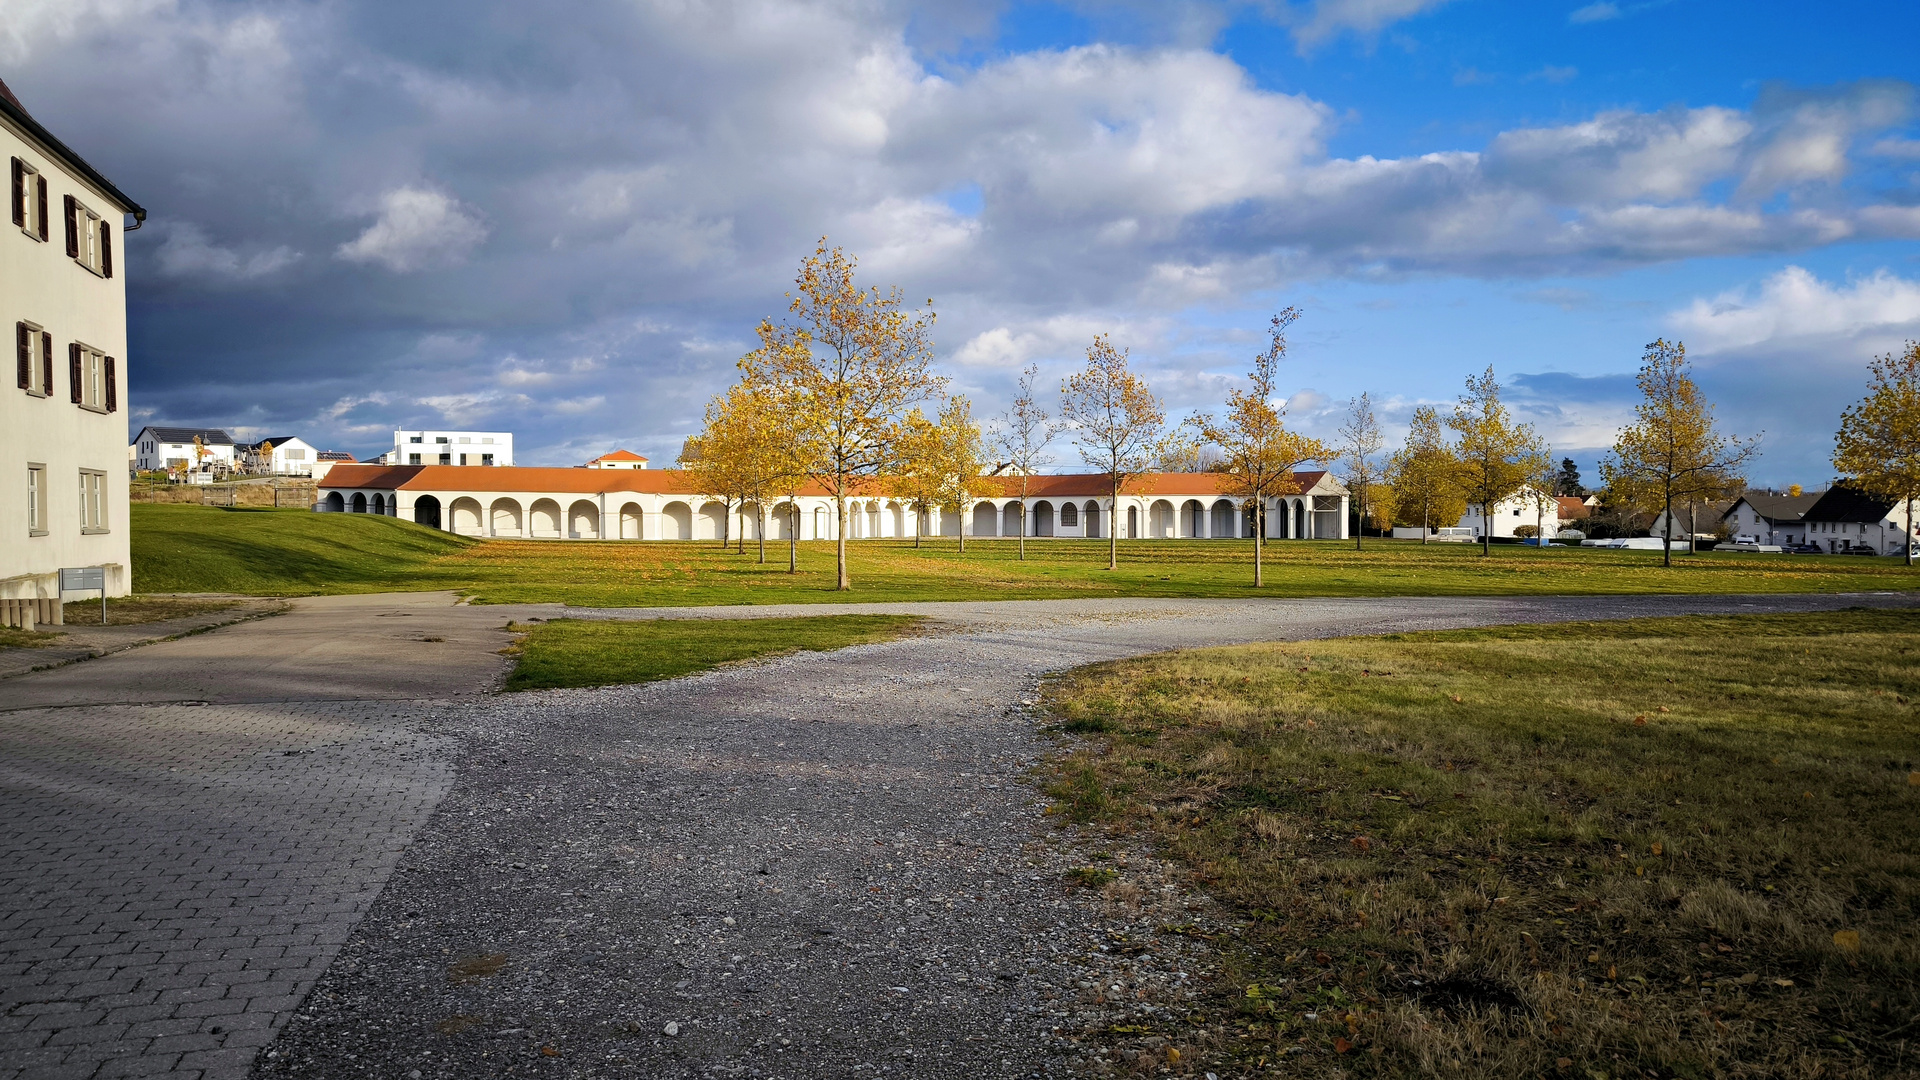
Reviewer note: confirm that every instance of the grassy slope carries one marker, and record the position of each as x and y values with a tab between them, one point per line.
573	652
201	549
1623	846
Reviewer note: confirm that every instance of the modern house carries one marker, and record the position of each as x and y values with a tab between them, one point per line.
618	459
175	450
278	455
450	448
62	437
664	504
1531	508
1845	520
1769	518
1701	519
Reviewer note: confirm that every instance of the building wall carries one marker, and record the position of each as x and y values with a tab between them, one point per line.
40	284
474	444
220	456
1511	514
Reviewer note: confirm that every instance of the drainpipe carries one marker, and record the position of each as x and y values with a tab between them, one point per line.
139	219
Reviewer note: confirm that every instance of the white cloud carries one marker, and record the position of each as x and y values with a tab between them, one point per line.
1592	13
1555	75
1908	149
417	228
1330	18
186	252
1794	306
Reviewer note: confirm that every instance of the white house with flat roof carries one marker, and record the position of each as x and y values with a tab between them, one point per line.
63	500
450	448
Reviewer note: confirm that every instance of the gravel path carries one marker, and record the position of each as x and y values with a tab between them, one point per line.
826	865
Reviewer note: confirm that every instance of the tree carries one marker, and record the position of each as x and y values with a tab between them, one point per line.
738	454
1538	491
1878	445
1258	453
853	364
1025	432
1116	422
1423	474
265	456
1673	452
1360	445
1492	451
1567	480
940	463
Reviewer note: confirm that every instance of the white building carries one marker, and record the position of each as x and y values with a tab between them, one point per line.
64	499
279	455
173	449
450	448
1528	508
1770	519
1845	520
618	459
662	504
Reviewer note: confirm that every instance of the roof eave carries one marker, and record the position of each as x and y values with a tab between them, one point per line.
67	157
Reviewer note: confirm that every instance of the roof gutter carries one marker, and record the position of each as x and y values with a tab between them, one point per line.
73	161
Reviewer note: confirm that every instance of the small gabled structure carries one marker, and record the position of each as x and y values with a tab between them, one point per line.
1770	518
171	449
1848	520
618	459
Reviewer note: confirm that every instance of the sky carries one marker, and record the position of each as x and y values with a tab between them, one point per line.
565	219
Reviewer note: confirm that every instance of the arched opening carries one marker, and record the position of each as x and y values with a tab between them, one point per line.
1299	520
1043	519
899	515
1193	519
632	522
426	511
786	522
505	514
466	517
1223	524
820	523
873	520
985	516
1161	520
1133	523
359	502
379	503
677	519
712	522
543	520
583	521
750	521
1069	516
335	503
950	519
1013	520
1093	519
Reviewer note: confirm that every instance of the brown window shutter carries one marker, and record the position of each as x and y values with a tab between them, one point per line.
41	182
46	363
113	389
73	228
19	193
23	345
106	250
73	370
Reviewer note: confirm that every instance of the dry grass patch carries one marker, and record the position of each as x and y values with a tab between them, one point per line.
130	610
1676	848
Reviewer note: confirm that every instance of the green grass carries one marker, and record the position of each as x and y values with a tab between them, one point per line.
12	638
1681	847
297	552
576	652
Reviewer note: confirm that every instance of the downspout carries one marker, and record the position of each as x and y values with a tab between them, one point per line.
139	219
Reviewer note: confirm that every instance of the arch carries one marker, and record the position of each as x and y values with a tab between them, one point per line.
466	517
873	519
426	511
583	521
1091	513
359	502
986	517
899	516
820	523
676	521
632	522
1222	525
543	519
1043	518
504	516
379	504
1069	516
950	519
1013	520
712	522
335	503
1133	523
1193	518
786	522
1299	519
1162	520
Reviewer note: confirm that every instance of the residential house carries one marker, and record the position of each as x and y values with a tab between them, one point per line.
1573	508
618	459
174	450
1530	508
325	460
1702	519
1770	518
450	448
64	500
278	455
1845	519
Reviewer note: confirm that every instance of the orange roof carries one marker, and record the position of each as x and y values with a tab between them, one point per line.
1573	506
621	455
522	478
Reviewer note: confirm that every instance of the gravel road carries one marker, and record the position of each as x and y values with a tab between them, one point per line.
826	865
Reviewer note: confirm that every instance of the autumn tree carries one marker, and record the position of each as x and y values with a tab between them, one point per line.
1673	452
1258	453
852	361
1542	476
739	452
1423	474
1116	422
1493	454
1878	446
940	463
1359	451
1025	432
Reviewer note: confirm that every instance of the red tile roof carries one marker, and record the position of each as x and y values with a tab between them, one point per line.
621	455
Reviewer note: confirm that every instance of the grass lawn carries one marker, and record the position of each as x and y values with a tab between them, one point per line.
128	610
297	552
578	652
1680	847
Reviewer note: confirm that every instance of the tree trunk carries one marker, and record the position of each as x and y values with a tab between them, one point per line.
1426	519
918	529
1259	532
1022	531
1363	519
1906	542
1486	529
760	526
961	532
845	583
1666	557
1113	537
1693	526
793	542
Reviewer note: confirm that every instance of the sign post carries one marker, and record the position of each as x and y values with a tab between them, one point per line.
82	579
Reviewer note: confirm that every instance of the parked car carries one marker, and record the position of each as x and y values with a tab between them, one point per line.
1805	549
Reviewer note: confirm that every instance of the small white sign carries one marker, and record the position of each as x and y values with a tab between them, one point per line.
83	578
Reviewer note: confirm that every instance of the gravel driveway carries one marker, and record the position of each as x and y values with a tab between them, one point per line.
827	865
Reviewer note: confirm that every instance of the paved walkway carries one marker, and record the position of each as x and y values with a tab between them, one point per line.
826	864
82	642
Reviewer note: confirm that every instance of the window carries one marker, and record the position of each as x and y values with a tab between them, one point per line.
440	439
29	200
36	500
414	439
487	441
89	239
1069	515
486	459
33	348
92	376
93	501
465	439
446	459
296	454
413	459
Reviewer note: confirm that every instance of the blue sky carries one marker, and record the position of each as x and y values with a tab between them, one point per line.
565	221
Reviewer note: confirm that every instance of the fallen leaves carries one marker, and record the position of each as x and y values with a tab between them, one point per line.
1363	843
1847	940
1657	848
1341	1046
